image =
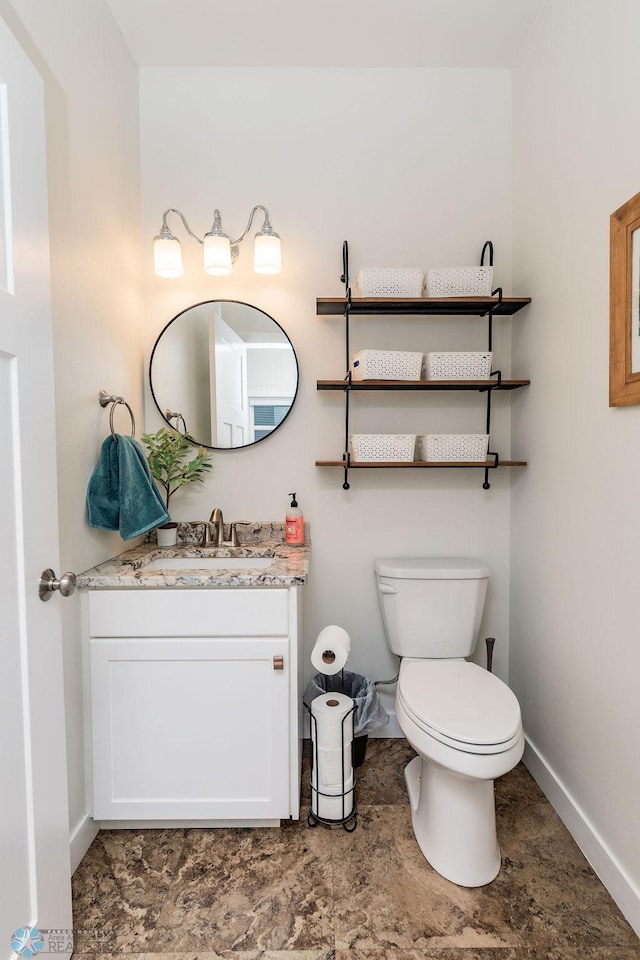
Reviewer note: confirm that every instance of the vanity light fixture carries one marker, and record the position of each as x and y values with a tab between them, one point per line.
219	251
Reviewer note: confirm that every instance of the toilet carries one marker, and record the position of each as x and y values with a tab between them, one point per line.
462	721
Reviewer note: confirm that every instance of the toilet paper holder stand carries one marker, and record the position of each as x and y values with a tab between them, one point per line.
349	821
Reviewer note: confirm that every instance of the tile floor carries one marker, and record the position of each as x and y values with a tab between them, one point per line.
297	893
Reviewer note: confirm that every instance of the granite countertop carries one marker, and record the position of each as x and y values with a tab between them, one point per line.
290	566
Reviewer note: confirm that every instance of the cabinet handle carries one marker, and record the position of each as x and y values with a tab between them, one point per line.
278	663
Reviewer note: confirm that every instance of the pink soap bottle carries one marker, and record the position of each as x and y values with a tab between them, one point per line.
294	524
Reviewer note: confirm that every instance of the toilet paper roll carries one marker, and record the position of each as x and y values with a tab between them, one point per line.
329	712
331	650
333	767
327	806
332	773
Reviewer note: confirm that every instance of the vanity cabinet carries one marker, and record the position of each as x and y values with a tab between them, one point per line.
484	307
194	705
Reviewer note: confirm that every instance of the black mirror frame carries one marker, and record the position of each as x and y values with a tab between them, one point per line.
194	440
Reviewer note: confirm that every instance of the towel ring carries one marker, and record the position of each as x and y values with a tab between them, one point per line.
105	398
179	419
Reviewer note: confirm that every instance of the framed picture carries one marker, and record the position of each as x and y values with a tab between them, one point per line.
624	351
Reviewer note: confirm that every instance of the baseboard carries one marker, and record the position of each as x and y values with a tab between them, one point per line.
623	890
390	731
81	839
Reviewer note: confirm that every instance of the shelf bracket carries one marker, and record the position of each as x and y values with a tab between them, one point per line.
346	459
346	455
345	267
494	466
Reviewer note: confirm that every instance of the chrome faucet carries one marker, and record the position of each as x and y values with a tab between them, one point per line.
217	523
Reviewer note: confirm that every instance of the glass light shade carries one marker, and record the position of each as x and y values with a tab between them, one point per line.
167	257
266	253
217	255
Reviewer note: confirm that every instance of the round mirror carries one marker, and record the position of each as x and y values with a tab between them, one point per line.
224	373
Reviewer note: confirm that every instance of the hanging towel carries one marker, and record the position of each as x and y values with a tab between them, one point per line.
122	494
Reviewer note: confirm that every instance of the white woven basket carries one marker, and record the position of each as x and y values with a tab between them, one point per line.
386	365
382	446
458	282
458	365
453	447
389	282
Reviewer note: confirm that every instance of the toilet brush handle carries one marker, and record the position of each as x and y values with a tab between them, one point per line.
490	642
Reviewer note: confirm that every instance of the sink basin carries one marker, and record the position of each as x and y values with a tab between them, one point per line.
208	563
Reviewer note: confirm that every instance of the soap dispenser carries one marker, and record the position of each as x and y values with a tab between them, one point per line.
294	524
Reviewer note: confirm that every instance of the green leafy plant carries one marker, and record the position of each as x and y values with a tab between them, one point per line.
168	463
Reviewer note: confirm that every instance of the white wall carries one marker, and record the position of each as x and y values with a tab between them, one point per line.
575	655
413	168
91	97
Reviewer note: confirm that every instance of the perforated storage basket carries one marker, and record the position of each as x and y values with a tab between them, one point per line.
453	447
458	282
386	365
379	447
457	365
389	282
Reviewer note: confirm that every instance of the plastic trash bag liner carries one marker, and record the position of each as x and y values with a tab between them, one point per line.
369	713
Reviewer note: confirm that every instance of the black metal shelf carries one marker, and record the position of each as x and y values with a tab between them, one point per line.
488	307
420	306
420	385
464	464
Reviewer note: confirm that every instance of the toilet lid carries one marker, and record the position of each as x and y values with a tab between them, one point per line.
430	568
458	701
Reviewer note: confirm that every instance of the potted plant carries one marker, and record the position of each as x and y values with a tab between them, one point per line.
170	467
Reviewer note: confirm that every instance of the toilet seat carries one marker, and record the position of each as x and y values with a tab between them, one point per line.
460	704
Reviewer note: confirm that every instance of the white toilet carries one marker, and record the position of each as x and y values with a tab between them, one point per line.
463	721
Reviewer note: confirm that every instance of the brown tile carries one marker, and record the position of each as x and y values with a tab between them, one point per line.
387	895
120	886
381	777
430	953
245	955
251	889
566	905
295	893
109	956
489	953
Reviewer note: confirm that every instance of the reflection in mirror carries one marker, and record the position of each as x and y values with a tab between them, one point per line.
224	373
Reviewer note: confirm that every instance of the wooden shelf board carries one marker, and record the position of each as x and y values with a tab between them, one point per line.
359	464
418	385
449	306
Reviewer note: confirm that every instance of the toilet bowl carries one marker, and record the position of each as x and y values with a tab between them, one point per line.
465	726
463	722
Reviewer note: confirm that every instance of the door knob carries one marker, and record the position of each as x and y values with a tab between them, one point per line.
49	583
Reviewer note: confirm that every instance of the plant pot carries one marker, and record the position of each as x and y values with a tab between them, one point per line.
167	534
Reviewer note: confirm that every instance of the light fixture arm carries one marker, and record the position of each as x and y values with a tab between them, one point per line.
267	228
166	233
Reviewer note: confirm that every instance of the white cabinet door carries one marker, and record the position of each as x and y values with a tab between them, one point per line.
190	728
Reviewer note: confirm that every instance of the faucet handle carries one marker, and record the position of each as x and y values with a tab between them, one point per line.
233	539
206	536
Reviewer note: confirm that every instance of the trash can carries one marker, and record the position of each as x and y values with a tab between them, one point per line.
369	713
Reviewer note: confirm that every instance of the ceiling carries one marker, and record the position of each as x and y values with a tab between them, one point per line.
330	33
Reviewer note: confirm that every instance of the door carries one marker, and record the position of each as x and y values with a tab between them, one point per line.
34	829
229	370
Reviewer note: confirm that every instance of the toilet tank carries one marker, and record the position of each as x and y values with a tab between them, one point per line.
431	607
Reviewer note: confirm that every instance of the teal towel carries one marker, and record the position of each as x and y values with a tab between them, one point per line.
122	494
